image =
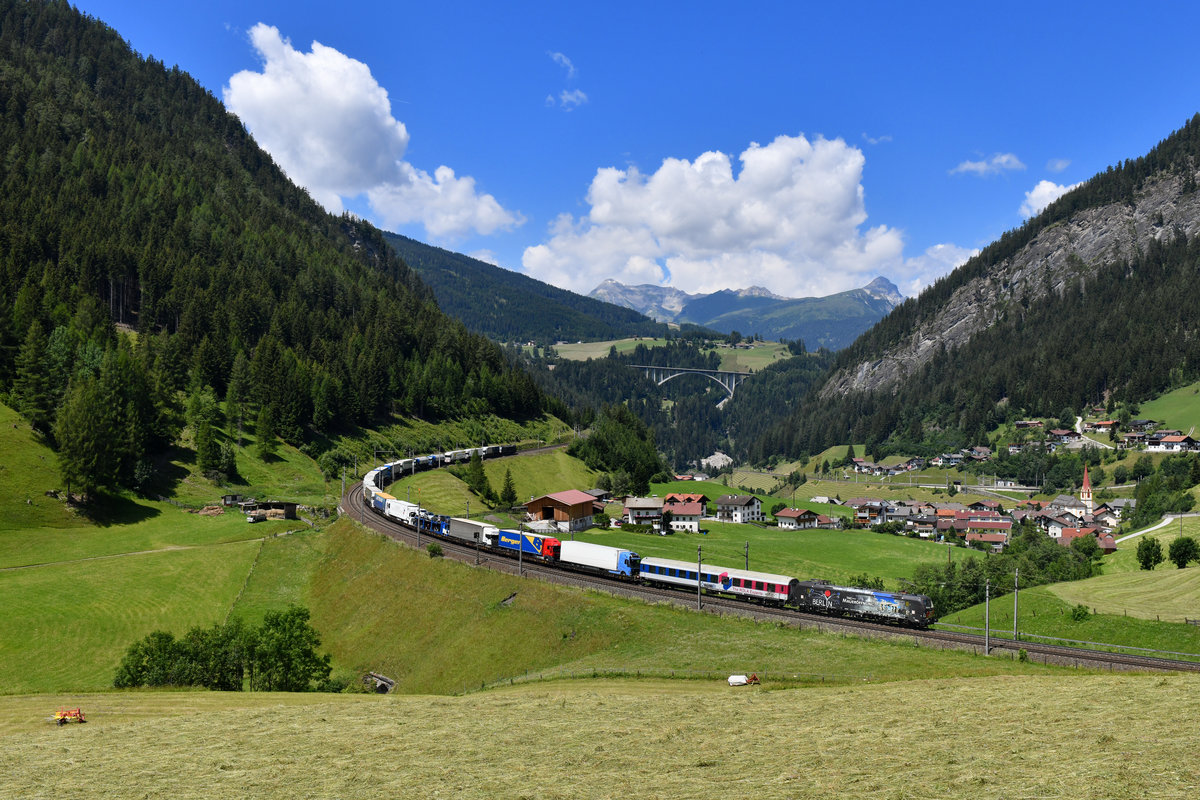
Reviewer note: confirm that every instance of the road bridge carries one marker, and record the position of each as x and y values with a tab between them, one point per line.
660	375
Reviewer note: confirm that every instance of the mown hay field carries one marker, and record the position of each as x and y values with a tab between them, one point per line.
1076	736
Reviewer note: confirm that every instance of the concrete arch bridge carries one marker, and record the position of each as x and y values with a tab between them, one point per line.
660	375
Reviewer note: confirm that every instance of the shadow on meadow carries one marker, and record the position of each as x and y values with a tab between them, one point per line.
108	510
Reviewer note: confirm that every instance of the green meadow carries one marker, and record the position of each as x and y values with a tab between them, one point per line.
582	351
1176	409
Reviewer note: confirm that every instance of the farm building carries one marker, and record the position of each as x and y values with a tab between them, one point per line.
569	511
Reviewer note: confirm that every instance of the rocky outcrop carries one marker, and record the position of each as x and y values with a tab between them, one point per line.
1062	253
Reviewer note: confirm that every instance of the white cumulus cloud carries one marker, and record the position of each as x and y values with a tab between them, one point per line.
790	219
1057	164
328	124
1042	195
1000	162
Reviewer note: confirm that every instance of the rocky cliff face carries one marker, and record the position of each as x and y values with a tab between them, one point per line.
661	303
1070	250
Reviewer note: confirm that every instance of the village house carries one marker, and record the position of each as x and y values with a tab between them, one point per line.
676	498
1063	435
995	541
739	508
1068	535
924	525
685	516
1180	443
796	518
643	510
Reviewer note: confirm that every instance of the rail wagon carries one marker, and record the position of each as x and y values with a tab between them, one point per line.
468	530
763	587
379	501
528	542
401	510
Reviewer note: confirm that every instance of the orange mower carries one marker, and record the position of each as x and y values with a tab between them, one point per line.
65	715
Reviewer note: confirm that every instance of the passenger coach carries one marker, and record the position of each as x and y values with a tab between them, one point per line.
763	587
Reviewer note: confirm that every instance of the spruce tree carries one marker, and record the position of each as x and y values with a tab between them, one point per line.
508	492
264	429
32	386
87	437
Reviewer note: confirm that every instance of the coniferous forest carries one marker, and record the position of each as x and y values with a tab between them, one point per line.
148	247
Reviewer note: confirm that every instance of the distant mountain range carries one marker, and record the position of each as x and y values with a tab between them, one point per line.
833	321
509	306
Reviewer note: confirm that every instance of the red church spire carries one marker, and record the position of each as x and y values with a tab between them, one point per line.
1087	482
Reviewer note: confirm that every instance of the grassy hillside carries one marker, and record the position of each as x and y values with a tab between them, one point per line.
28	469
1043	737
1165	593
1129	606
1043	612
1177	409
540	474
65	626
438	626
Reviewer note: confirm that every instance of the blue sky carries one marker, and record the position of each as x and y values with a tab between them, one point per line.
802	147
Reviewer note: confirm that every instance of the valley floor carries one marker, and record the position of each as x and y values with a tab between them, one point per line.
1075	736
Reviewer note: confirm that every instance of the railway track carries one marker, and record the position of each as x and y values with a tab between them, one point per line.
353	503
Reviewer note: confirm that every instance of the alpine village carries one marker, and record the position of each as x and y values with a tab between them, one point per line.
292	505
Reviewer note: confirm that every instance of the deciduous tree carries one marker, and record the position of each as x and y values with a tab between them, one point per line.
1183	550
1149	553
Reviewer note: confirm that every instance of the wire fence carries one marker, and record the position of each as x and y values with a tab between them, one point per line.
773	677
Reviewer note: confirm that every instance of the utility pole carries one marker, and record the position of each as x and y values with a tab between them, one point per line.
1016	589
987	617
699	564
520	550
747	556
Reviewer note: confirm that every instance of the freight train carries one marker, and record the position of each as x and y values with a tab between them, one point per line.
813	596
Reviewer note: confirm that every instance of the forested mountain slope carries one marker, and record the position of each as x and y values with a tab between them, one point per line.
129	195
1094	298
512	307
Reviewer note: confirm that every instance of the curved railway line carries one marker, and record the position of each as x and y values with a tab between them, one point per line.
354	503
